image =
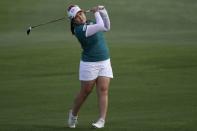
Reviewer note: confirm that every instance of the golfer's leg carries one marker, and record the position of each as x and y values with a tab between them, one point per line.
86	88
102	85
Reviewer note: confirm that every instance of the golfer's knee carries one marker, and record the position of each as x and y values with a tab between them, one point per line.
87	91
103	89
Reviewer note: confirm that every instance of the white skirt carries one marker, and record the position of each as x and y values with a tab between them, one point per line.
91	70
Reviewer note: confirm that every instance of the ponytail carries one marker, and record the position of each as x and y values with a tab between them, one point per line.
72	27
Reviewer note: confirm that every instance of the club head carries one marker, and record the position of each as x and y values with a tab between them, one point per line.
28	30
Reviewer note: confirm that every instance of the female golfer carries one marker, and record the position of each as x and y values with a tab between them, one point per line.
95	66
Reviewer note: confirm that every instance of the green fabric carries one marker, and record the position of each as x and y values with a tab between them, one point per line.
94	47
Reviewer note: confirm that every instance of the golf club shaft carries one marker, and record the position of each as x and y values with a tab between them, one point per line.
48	22
52	21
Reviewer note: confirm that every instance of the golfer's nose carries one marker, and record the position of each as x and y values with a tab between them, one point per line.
80	18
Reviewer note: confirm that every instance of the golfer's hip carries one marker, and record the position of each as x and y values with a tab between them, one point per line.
91	70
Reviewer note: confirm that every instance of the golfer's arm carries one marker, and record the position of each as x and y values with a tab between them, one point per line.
99	26
105	18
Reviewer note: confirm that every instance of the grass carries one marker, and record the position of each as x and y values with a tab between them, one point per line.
153	53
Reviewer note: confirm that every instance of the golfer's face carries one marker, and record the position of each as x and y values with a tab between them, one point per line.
80	18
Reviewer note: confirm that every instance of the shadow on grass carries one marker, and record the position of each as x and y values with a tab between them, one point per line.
16	127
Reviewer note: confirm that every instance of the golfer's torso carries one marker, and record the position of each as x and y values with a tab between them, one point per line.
94	47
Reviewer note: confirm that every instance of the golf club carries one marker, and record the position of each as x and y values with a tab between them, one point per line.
35	26
52	21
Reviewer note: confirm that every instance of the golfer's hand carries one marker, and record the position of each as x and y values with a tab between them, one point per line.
101	7
94	9
97	8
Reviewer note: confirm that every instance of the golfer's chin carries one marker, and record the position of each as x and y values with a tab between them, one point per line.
83	22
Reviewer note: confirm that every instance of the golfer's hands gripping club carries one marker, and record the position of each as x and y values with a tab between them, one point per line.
96	9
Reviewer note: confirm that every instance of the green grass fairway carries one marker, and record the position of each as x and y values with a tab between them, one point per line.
153	46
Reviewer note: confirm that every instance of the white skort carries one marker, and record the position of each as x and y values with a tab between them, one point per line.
91	70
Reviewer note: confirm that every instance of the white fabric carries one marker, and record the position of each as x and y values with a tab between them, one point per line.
91	70
73	11
102	23
105	18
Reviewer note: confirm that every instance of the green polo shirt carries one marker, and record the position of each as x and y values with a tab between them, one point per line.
94	47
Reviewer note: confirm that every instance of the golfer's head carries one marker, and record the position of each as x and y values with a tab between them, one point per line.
75	13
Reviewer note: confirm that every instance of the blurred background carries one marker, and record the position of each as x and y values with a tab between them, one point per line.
154	58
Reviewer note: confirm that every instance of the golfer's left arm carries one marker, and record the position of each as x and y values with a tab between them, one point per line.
105	18
102	23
